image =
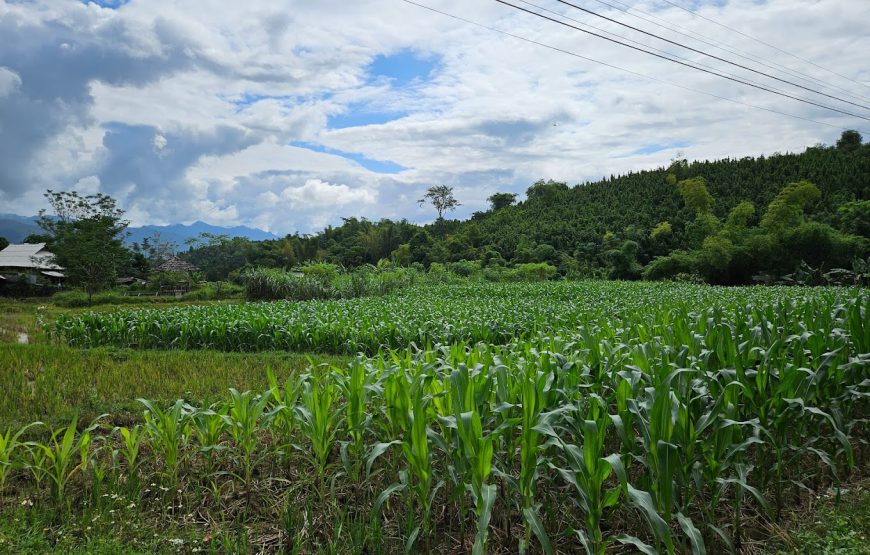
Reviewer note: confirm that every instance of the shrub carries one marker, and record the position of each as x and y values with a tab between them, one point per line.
464	268
668	267
321	270
535	271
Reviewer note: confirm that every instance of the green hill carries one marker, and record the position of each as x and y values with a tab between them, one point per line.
618	227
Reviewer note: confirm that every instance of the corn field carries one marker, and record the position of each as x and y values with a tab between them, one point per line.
418	316
548	418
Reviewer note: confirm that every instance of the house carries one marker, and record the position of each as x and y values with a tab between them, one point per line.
31	263
182	282
176	264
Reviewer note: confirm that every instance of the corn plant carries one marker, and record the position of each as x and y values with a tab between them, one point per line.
66	452
355	387
131	442
284	406
534	390
477	452
209	425
318	419
587	469
246	413
167	431
416	445
9	444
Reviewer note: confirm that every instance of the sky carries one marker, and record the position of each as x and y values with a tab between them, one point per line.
289	115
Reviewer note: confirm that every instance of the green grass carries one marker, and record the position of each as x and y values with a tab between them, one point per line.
829	528
52	383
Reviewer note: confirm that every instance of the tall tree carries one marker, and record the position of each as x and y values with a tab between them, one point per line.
86	236
441	197
849	140
156	249
786	210
498	201
695	194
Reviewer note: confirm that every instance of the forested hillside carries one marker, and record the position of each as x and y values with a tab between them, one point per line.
724	221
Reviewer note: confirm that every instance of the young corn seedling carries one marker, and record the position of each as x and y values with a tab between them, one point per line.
66	452
247	412
131	442
284	406
9	444
587	471
167	431
356	389
477	451
318	419
534	390
417	448
209	425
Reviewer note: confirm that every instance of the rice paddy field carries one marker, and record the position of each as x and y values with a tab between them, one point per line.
587	417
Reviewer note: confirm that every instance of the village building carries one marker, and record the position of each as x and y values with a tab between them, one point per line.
30	263
176	276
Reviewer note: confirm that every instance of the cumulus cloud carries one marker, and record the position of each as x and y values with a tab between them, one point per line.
317	193
286	115
9	81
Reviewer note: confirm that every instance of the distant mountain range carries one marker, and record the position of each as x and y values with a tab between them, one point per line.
15	228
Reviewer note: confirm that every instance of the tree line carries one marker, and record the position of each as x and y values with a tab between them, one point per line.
730	221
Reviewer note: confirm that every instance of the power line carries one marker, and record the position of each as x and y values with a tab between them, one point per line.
612	66
719	58
741	33
634	41
651	53
731	49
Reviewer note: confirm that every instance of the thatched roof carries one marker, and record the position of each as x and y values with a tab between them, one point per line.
176	264
31	256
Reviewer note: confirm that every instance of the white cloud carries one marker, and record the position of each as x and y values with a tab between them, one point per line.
188	111
316	194
9	81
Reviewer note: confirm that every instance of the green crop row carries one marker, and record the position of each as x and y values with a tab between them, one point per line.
678	428
422	316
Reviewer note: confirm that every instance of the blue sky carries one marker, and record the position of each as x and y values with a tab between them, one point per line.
289	115
398	71
377	166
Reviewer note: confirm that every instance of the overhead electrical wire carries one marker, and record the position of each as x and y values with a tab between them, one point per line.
612	66
666	53
730	48
686	64
719	58
778	49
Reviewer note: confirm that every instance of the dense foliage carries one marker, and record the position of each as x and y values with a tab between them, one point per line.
676	419
723	221
322	281
85	235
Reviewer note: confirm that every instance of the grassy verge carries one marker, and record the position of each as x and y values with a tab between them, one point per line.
52	383
827	527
